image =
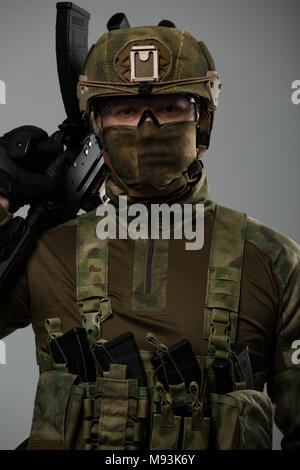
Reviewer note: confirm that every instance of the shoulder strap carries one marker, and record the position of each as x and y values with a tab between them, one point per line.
224	281
92	276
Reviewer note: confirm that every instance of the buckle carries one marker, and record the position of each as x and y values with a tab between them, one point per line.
219	339
91	322
144	64
214	86
194	169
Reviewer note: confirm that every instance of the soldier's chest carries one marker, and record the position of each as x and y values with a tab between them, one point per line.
156	286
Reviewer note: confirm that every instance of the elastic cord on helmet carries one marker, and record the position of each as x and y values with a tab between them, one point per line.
161	85
124	87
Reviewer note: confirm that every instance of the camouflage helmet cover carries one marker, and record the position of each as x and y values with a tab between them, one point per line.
157	59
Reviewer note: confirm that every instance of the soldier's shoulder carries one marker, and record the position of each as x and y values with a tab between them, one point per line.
267	239
283	251
270	240
82	218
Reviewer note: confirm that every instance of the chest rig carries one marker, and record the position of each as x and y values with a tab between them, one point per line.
114	413
223	279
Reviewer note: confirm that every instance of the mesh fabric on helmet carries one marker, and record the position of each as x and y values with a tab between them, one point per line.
189	58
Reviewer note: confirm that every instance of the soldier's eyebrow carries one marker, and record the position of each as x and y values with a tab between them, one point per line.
110	105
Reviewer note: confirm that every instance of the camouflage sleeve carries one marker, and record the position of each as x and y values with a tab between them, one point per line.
284	380
14	298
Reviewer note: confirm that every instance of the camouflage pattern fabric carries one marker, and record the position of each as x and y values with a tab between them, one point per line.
50	412
241	420
269	309
224	278
151	156
186	57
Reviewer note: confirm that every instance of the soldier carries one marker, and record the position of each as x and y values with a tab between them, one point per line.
150	94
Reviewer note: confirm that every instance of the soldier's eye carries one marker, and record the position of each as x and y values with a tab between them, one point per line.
126	112
170	108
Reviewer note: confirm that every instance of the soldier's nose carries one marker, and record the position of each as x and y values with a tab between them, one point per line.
148	116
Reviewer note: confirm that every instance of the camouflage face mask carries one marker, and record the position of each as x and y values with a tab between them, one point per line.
151	157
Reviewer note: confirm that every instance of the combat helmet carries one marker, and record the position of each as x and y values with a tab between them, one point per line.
150	60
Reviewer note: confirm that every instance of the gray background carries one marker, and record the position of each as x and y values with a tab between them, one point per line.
253	162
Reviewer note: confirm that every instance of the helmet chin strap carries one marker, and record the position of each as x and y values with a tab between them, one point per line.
204	126
97	127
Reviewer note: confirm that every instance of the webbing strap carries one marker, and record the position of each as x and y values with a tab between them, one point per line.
119	399
53	327
224	281
92	276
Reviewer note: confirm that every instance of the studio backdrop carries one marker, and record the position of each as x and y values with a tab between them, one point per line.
252	164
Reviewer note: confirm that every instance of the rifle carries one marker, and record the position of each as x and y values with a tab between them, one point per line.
82	157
